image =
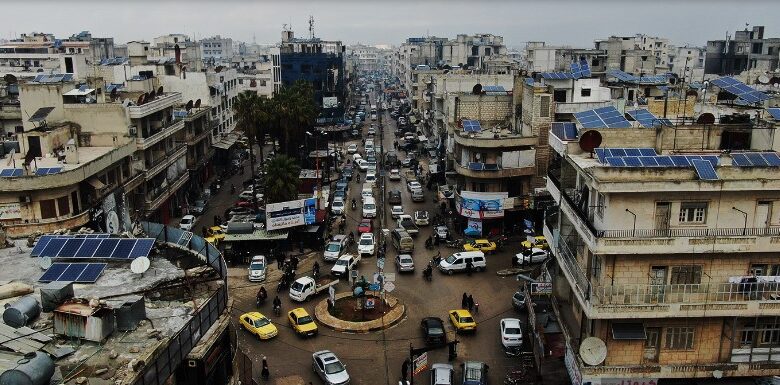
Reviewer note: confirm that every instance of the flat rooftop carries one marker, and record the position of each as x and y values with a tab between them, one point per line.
85	156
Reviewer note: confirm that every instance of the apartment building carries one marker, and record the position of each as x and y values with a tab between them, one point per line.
749	50
471	50
669	272
366	58
687	62
540	57
638	54
216	49
187	51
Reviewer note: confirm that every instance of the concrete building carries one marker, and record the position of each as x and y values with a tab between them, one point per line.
667	272
188	52
216	49
638	54
539	57
687	62
749	50
366	58
471	51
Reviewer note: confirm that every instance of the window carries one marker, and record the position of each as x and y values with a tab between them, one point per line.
63	205
759	269
682	275
595	63
48	209
585	92
596	267
679	338
693	212
770	334
544	107
601	202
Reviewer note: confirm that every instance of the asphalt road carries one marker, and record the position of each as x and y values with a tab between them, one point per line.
376	358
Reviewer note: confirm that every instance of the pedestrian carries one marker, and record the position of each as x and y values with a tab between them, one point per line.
464	303
265	373
476	307
470	303
300	246
405	370
216	220
279	261
469	267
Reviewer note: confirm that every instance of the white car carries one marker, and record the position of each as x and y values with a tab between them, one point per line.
187	222
535	255
442	232
421	218
396	211
337	207
256	269
395	174
329	368
352	149
362	164
369	208
404	262
442	374
345	263
371	178
356	157
366	245
511	334
413	185
367	193
371	130
335	247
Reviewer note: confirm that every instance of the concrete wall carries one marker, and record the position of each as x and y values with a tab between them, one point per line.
33	96
485	108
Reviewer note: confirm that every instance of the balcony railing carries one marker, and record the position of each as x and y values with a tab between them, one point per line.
771	231
685	293
164	132
159	103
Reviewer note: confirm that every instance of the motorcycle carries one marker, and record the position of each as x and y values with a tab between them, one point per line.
455	243
428	273
261	297
277	310
354	205
429	243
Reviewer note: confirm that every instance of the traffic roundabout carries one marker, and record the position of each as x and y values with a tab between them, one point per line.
346	314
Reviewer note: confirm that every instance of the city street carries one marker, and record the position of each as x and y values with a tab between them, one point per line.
376	358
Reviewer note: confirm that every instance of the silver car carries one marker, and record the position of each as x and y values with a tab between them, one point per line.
404	262
329	368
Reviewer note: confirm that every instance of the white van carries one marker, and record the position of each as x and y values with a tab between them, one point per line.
369	208
367	192
457	262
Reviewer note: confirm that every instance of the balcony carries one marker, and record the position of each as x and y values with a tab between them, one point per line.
163	162
692	370
163	193
488	139
193	139
45	226
570	108
10	112
168	99
144	143
495	173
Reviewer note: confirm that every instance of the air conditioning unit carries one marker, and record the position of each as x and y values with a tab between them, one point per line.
132	131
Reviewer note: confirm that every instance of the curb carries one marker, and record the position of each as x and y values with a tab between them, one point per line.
323	304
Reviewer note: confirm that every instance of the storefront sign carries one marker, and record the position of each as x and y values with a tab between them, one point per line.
290	214
474	229
541	287
480	205
10	211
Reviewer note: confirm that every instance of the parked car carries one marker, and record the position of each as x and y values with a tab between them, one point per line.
463	321
365	226
433	331
531	256
412	185
366	245
344	265
442	374
511	335
337	207
335	247
421	218
539	242
257	324
418	195
256	269
396	211
518	300
458	261
395	174
483	245
394	197
474	373
369	208
187	222
329	368
199	207
353	148
404	263
302	323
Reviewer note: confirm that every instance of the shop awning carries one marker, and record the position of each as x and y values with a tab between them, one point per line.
258	235
96	183
226	142
628	331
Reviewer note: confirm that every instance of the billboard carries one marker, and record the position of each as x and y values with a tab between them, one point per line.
330	102
10	211
290	214
480	205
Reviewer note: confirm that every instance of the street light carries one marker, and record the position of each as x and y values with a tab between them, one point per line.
633	231
744	214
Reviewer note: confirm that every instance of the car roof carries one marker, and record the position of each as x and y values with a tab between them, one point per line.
433	319
345	256
258	258
461	312
366	235
324	353
188	216
253	315
299	311
511	321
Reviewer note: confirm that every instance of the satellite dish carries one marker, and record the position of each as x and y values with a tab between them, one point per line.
477	89
189	105
763	79
589	140
593	351
44	262
706	118
197	104
140	265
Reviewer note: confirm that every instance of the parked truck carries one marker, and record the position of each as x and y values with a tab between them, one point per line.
406	222
306	287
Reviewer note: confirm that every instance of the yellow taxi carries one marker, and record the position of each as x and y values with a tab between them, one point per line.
259	325
302	323
215	235
482	245
463	321
540	242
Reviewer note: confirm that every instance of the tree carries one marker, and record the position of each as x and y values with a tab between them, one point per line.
282	179
292	114
247	117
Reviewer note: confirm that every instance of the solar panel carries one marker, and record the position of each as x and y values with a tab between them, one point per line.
757	159
633	152
775	112
712	159
601	154
529	81
76	272
616	161
665	161
772	158
40	114
54	272
11	172
124	248
680	160
604	117
40	245
471	126
644	117
580	69
142	248
106	248
70	248
740	160
704	169
476	166
88	248
490	167
52	249
739	89
647	152
54	170
91	272
623	76
564	130
617	151
632	161
648	161
73	272
557	75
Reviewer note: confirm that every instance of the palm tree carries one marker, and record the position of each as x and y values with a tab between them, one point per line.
282	179
293	113
246	112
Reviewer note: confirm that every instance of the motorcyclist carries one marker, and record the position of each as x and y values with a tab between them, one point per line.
316	268
277	304
354	203
261	294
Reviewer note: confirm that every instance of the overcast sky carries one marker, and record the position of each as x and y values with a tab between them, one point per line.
575	23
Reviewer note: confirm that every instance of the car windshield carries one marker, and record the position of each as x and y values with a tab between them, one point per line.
296	286
465	320
518	296
186	221
450	259
342	262
369	206
334	367
333	247
260	322
366	242
304	320
256	266
338	203
473	374
406	260
512	330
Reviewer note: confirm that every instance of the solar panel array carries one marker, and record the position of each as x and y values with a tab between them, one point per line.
603	153
54	78
471	126
704	169
11	172
775	112
529	81
604	117
47	171
476	166
94	247
73	272
739	89
564	130
755	159
658	160
581	69
494	90
557	75
647	119
629	78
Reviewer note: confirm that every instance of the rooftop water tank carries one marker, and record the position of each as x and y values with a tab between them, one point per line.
35	368
21	312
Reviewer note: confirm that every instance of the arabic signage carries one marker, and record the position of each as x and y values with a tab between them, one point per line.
541	287
330	102
480	205
290	214
474	228
420	363
10	211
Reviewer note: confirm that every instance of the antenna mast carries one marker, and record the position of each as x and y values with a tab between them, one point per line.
311	27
